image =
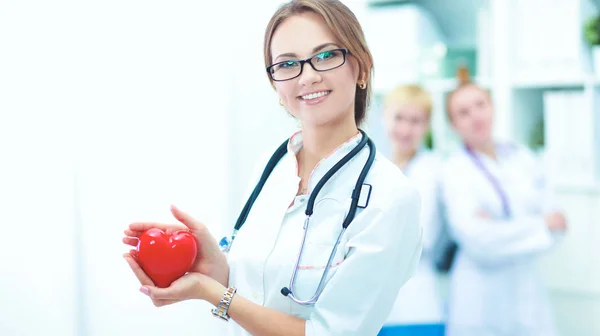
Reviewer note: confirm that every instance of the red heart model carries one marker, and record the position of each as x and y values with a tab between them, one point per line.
165	258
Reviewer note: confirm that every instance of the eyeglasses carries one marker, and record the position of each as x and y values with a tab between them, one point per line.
323	61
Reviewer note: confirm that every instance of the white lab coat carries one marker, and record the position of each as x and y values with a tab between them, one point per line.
377	255
495	288
419	301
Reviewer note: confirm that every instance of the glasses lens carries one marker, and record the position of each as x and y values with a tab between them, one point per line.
285	70
323	61
328	60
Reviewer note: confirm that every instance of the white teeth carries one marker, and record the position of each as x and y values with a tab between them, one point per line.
315	95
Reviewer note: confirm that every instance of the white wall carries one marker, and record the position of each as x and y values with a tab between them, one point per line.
399	38
36	216
159	138
36	180
139	93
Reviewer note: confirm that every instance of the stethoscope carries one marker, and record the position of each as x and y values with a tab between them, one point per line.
225	243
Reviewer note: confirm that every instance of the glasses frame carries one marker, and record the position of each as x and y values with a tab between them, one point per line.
307	60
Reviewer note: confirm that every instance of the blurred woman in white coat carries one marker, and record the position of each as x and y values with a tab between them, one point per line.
407	114
501	218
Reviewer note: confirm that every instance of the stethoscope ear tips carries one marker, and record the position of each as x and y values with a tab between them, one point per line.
285	291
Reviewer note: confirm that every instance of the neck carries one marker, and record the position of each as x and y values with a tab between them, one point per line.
402	157
319	142
486	147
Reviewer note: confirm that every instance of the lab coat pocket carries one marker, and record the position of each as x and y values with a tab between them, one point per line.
324	229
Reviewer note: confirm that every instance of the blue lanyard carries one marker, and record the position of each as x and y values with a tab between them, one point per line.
495	184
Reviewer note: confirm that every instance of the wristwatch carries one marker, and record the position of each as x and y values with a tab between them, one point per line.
221	310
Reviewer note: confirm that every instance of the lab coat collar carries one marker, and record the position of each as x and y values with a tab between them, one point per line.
503	151
295	144
418	155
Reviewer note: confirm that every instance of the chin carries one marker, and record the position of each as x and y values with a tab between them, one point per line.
403	147
316	120
481	139
320	117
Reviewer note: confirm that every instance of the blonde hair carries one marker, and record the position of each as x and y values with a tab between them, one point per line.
347	30
409	95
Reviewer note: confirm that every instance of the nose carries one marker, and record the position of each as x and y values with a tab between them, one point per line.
403	127
309	75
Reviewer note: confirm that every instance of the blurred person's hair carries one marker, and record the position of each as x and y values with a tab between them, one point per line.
347	30
464	81
410	94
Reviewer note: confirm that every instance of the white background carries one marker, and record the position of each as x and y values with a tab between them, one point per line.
110	111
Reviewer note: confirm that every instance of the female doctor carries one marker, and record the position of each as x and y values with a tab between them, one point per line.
406	116
318	62
502	220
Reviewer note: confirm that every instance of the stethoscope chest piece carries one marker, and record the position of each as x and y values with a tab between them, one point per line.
225	244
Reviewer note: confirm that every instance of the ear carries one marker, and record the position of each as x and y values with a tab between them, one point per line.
364	76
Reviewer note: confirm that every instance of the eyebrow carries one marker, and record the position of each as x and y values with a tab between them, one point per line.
315	49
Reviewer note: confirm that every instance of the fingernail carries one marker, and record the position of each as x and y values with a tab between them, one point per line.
145	290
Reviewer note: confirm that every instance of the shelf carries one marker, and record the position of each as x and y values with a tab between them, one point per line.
576	187
445	85
555	82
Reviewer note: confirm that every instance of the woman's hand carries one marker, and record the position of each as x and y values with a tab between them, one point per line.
210	260
556	221
192	285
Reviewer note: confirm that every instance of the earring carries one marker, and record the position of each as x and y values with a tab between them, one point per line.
362	84
280	102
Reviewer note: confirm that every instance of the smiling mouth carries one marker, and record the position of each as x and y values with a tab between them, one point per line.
315	95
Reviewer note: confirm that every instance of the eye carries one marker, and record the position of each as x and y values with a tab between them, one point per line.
287	64
327	55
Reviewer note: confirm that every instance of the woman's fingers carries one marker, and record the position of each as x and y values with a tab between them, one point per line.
483	214
186	219
156	293
134	254
131	258
131	233
137	270
173	229
184	288
136	229
130	241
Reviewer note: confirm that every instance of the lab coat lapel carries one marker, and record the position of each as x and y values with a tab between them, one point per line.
279	191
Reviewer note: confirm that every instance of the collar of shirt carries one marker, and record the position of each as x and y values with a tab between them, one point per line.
503	152
418	154
295	144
